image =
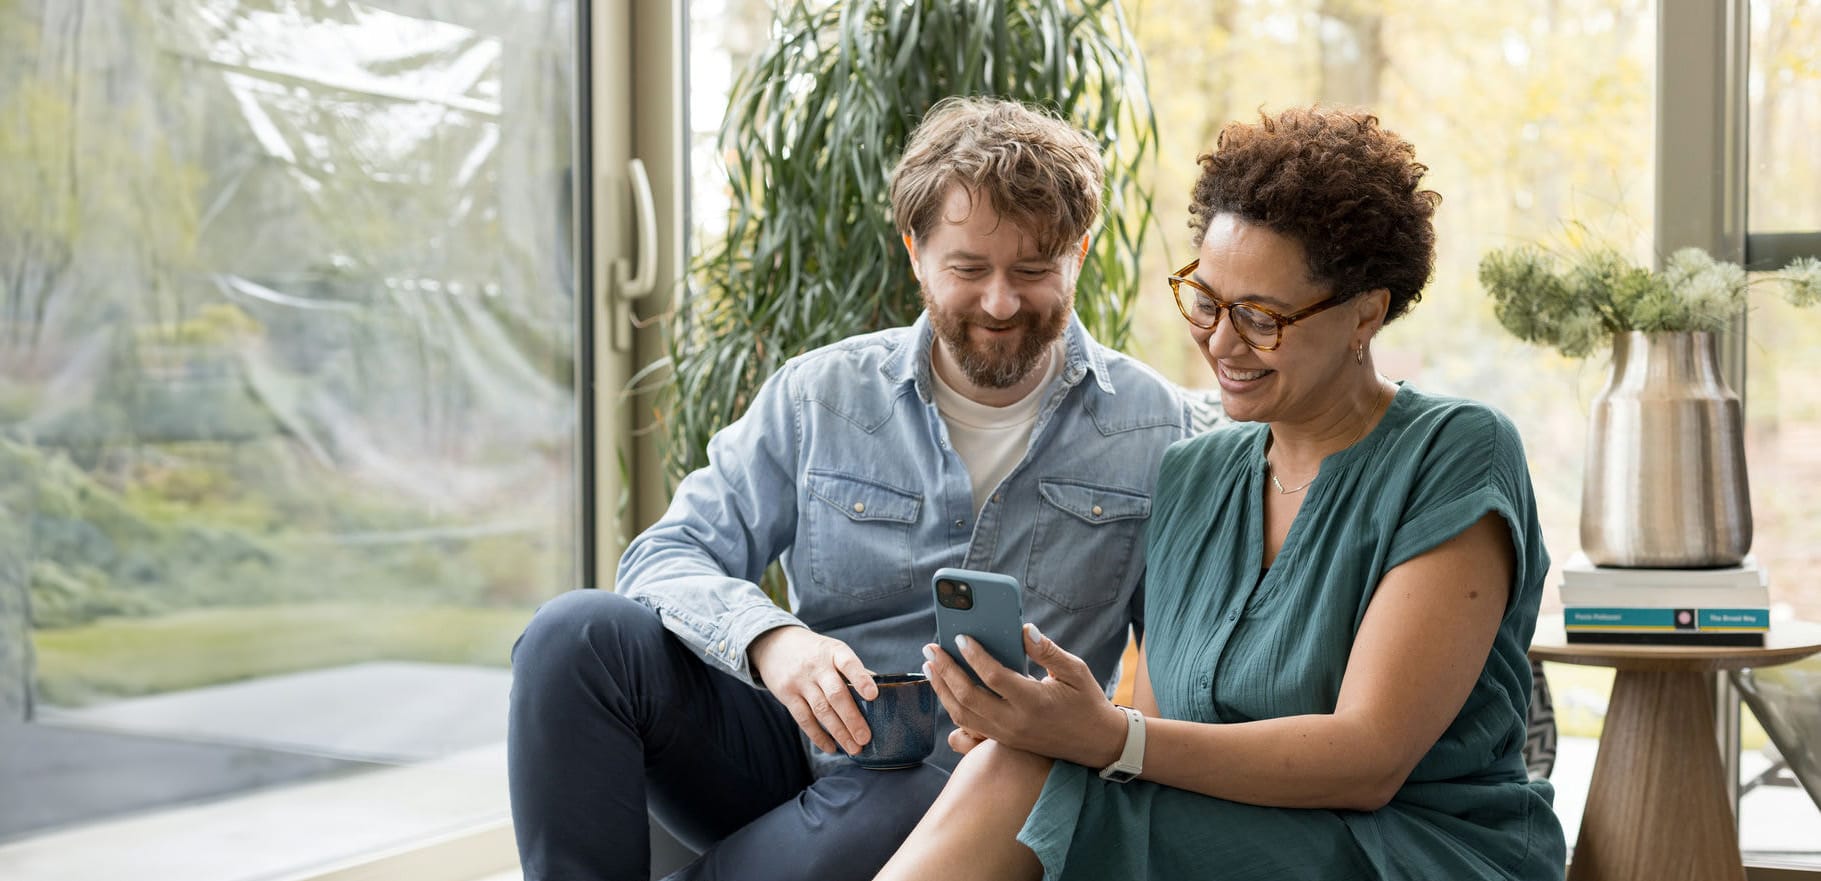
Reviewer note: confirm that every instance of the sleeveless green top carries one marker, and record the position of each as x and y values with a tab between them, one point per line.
1226	646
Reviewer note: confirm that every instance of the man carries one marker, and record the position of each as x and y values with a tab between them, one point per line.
993	434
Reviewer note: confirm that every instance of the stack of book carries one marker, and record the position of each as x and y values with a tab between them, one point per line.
1602	604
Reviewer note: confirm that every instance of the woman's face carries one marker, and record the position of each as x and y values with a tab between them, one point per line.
1300	379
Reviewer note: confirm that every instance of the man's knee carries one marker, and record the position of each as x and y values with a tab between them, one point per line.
581	623
904	796
883	803
857	820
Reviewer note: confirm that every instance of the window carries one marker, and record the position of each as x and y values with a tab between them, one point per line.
1782	406
286	396
1784	112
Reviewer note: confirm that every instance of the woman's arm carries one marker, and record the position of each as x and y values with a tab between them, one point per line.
1143	698
1420	648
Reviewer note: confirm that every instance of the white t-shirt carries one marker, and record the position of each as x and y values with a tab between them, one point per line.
991	440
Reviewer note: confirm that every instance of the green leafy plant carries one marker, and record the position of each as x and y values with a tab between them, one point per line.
1576	304
814	124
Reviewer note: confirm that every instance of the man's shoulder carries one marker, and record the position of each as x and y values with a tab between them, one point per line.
876	354
857	378
1141	397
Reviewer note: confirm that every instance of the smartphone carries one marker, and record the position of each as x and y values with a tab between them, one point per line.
988	608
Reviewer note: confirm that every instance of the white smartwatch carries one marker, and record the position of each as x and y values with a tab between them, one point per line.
1131	759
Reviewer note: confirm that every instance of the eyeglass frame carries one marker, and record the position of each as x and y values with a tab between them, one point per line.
1181	277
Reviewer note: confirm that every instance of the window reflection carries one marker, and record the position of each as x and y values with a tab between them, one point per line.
286	407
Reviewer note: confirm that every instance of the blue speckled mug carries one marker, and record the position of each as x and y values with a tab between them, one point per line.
903	721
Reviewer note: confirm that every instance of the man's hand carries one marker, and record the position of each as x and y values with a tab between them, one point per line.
809	673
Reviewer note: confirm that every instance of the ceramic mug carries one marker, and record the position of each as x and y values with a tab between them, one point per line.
902	719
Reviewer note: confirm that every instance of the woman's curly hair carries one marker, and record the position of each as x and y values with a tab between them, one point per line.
1345	189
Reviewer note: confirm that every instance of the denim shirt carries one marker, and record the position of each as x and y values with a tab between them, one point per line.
843	470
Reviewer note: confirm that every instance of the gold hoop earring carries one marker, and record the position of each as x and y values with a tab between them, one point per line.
1359	354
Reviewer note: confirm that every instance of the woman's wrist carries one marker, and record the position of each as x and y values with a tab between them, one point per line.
1106	740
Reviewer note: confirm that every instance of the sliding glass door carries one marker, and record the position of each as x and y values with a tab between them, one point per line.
289	341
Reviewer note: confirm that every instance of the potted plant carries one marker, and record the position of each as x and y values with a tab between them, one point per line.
1665	481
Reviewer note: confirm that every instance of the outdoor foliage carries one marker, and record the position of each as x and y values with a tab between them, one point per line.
197	531
286	318
808	255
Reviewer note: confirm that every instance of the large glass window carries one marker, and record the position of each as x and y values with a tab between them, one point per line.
1778	820
286	396
1784	101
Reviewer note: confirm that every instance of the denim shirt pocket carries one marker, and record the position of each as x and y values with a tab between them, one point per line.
1083	542
859	534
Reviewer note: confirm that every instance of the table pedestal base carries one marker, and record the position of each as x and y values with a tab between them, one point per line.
1657	809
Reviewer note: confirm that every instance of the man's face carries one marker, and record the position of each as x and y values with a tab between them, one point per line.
995	302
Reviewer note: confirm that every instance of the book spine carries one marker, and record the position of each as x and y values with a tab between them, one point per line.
1682	637
1655	578
1665	598
1687	620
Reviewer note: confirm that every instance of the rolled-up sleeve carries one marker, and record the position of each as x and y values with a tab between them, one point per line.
698	567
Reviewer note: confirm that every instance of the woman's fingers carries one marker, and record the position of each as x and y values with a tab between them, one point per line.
953	686
993	674
963	741
1059	664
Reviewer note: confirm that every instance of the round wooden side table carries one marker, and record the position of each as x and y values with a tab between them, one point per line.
1658	807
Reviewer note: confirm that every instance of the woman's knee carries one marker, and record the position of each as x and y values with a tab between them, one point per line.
995	767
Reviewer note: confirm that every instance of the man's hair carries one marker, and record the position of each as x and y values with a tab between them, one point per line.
1345	189
1040	173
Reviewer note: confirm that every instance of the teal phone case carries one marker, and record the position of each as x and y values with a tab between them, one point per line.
996	621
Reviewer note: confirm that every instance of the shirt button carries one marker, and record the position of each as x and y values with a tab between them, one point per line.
1232	616
721	646
960	523
859	507
1097	511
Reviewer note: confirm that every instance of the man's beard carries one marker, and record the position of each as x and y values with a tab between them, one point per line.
998	363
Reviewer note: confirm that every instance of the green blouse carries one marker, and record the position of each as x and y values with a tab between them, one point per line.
1225	645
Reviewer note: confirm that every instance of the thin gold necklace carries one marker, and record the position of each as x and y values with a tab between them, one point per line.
1377	408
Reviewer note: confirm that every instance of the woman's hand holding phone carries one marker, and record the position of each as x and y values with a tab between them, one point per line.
1065	715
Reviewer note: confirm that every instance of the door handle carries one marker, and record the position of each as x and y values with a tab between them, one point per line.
637	278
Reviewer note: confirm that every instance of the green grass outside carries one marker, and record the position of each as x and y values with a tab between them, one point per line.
125	657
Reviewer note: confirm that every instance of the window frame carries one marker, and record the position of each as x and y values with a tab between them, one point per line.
1702	114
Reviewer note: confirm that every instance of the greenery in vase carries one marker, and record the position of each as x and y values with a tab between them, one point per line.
808	254
1577	303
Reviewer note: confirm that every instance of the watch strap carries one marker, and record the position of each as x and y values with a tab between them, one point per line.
1131	759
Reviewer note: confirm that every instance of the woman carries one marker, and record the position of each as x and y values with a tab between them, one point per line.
1341	588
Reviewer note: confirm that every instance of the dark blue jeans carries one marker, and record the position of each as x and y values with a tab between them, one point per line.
614	720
